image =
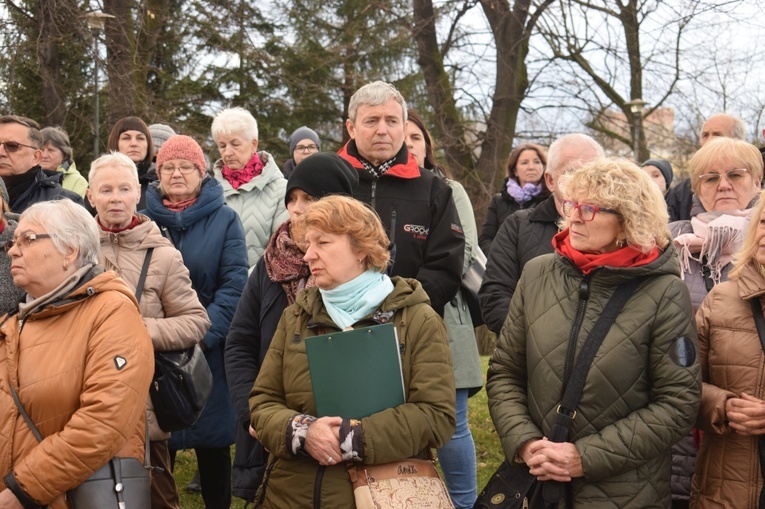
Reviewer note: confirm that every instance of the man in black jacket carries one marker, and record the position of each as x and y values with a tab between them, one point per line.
528	233
20	154
415	206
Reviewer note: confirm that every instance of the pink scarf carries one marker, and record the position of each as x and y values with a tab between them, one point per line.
238	178
285	264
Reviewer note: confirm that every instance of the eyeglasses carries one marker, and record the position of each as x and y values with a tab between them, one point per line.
13	146
307	148
586	212
733	176
24	240
185	170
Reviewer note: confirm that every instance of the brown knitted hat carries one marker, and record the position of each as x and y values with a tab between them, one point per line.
182	147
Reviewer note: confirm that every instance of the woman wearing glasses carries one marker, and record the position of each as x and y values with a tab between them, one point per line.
252	183
303	142
76	353
725	178
190	210
641	393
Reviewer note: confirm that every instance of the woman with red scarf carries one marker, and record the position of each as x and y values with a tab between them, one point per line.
253	184
642	390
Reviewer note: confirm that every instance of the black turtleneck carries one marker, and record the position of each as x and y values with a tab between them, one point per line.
17	184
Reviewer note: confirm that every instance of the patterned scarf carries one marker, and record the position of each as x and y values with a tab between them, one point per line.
285	265
179	206
378	171
132	225
523	194
238	178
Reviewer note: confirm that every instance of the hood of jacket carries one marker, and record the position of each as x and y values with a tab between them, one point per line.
209	200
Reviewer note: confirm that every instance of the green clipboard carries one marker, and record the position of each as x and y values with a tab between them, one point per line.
356	373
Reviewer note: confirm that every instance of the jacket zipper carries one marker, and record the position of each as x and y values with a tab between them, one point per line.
584	294
393	226
374	192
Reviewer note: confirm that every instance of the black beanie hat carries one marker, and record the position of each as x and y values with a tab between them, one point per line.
321	174
664	166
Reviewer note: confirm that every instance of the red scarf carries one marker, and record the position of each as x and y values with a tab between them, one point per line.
179	206
2	225
251	170
132	225
587	262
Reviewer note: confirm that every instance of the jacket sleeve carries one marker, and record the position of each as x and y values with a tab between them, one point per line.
441	271
427	419
711	417
675	394
242	358
502	274
112	402
185	321
489	228
231	278
269	412
506	384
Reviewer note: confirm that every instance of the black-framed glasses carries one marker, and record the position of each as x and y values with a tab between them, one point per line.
307	148
24	240
14	146
586	212
733	176
185	169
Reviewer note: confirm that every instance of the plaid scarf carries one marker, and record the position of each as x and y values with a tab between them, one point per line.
285	264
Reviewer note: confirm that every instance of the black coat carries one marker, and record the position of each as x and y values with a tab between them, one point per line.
249	337
523	236
500	207
45	187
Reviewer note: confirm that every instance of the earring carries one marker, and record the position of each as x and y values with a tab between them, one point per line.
66	266
621	243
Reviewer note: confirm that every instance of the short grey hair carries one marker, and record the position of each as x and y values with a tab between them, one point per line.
375	94
555	150
739	126
235	121
115	160
33	128
70	226
57	137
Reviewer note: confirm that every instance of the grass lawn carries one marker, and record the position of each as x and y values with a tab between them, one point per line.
488	451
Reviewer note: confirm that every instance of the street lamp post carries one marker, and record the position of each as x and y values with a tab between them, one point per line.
636	107
96	23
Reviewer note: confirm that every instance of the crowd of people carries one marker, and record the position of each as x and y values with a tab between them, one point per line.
160	249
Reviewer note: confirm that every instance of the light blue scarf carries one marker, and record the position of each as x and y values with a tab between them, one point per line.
350	302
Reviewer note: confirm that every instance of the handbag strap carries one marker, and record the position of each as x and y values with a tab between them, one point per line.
759	321
39	437
144	272
567	409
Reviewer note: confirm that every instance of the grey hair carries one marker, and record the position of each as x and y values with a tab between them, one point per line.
57	137
375	94
70	226
554	152
33	128
739	126
235	121
115	160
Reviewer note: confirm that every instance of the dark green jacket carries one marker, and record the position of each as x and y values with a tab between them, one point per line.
642	392
283	389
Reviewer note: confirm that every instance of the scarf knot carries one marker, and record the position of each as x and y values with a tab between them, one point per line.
524	193
238	178
350	302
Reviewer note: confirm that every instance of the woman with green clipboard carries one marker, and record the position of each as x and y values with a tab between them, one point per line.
347	252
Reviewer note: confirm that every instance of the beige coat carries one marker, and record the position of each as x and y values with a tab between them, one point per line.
728	464
169	305
82	367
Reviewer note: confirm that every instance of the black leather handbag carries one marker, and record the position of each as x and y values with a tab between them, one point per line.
123	483
182	380
512	486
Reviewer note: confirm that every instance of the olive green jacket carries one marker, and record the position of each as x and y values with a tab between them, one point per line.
283	389
643	389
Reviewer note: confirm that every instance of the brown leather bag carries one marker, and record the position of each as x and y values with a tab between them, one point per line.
398	485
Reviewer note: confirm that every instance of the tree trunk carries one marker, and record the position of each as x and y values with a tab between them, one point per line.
48	58
120	48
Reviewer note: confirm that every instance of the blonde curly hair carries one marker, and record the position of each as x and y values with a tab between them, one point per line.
625	188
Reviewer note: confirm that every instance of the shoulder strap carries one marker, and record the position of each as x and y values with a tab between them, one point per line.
567	408
144	271
759	320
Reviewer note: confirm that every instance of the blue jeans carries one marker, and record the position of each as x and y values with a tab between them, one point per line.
457	459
